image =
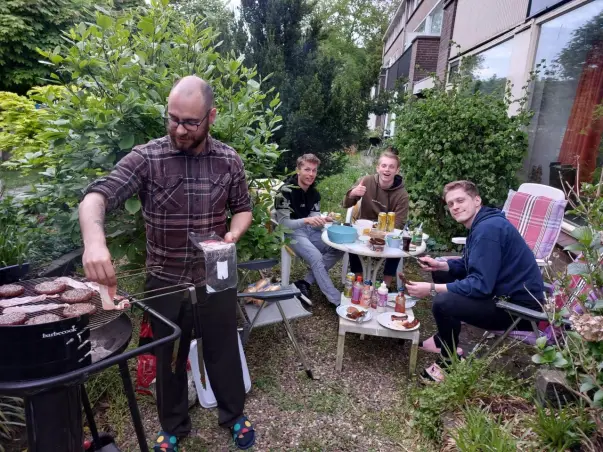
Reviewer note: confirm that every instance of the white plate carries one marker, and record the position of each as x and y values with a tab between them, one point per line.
385	319
410	301
342	312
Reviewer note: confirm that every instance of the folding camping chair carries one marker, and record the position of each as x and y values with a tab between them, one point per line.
277	306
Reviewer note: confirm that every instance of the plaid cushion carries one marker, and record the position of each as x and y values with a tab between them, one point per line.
537	218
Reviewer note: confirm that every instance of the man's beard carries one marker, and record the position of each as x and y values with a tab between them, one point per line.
192	148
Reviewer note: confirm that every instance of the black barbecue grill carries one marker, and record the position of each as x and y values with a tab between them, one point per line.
48	365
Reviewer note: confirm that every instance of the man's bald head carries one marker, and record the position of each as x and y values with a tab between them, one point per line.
193	86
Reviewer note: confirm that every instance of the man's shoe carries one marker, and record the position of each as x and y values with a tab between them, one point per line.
303	287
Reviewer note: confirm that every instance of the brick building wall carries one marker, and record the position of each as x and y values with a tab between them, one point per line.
445	38
426	50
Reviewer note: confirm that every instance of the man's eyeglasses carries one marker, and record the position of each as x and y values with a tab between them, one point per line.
191	126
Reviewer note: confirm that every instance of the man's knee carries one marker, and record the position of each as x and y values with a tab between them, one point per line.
443	303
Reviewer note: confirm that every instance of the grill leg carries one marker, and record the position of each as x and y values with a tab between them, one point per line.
89	415
129	390
54	420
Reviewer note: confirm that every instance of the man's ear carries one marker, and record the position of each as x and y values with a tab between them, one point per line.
212	115
478	200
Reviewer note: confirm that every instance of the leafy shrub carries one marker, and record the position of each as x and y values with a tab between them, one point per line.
580	351
116	74
561	429
458	133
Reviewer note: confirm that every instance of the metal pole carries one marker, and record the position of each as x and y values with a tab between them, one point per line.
129	390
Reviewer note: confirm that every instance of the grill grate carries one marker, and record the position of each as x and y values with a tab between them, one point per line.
98	319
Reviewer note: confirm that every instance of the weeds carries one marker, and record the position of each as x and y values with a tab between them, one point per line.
480	433
12	417
562	429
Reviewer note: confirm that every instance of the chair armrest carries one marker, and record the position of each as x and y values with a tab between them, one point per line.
542	262
275	295
459	240
521	310
258	264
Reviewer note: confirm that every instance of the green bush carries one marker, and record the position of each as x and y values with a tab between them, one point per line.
561	429
116	74
480	433
458	133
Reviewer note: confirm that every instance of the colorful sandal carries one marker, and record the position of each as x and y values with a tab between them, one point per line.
166	443
243	433
433	374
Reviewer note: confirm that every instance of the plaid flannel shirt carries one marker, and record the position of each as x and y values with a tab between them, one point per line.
179	194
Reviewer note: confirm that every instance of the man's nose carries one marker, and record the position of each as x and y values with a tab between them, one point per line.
180	130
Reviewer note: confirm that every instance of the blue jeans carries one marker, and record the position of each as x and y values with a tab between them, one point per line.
320	257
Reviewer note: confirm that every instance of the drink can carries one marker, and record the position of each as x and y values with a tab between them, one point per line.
382	221
349	283
391	221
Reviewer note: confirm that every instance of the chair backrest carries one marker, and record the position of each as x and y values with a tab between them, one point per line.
542	190
537	213
353	212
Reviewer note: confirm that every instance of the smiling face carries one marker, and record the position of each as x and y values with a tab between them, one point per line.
462	206
387	168
306	174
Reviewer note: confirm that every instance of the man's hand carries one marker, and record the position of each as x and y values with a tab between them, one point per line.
231	238
359	190
418	289
430	264
98	266
315	222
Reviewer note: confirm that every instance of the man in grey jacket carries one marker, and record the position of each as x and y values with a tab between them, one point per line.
298	208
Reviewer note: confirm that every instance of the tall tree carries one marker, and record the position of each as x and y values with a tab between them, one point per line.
26	25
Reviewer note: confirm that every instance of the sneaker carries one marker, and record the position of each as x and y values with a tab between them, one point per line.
303	287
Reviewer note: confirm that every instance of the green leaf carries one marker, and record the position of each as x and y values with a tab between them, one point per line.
103	21
598	397
541	342
586	386
574	247
127	142
577	268
560	361
132	205
537	359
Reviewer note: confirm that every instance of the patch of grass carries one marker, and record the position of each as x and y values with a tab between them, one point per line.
465	380
16	179
562	429
328	401
333	188
481	433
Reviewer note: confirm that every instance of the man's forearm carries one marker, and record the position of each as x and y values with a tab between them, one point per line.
92	218
239	224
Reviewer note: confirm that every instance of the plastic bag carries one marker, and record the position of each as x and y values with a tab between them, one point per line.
220	263
146	367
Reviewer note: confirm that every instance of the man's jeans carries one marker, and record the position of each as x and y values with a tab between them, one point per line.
319	257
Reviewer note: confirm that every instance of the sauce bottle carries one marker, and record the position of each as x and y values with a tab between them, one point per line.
366	294
400	302
382	302
357	290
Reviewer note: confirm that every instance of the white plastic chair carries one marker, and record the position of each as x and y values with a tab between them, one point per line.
535	190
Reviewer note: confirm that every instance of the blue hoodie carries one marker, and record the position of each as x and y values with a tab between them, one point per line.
496	262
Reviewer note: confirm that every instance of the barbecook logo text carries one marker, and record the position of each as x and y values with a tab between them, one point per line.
58	333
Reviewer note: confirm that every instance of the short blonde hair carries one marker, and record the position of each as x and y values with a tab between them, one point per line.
390	155
466	185
310	158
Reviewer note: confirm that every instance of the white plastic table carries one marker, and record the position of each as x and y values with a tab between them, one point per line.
374	328
371	260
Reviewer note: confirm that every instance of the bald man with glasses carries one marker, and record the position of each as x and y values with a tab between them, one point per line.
186	181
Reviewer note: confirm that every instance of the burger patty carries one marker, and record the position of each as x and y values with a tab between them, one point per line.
44	318
77	295
11	290
50	287
78	309
12	319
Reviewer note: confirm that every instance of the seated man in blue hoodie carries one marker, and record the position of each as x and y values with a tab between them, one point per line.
496	262
298	208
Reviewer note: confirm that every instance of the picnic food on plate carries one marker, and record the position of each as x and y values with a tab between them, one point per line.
11	290
44	318
355	313
263	285
399	317
77	295
78	309
50	287
410	324
15	318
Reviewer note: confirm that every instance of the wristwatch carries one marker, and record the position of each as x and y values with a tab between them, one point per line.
433	292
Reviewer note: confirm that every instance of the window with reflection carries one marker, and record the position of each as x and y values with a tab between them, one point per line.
567	100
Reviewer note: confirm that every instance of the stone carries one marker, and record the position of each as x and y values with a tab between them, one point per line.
552	388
